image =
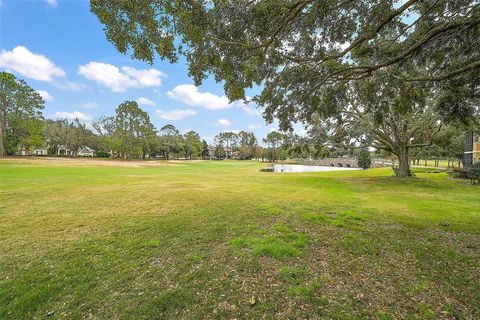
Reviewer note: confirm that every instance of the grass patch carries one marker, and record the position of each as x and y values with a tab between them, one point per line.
292	274
304	291
356	244
347	218
284	243
169	302
153	243
196	257
197	240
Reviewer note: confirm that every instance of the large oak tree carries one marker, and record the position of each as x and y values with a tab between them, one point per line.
300	51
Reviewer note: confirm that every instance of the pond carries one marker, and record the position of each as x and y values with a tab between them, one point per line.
305	168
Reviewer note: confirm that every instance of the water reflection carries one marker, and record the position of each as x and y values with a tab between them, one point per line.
304	168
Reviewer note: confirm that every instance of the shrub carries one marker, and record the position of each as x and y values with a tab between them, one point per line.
474	172
364	160
454	175
102	154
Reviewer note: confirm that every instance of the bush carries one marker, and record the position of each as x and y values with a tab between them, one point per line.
474	172
364	160
454	174
102	154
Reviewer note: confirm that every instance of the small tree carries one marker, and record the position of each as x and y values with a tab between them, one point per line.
364	160
205	153
219	152
171	142
193	145
274	141
133	127
474	173
228	140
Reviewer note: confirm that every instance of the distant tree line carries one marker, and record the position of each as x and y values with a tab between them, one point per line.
129	134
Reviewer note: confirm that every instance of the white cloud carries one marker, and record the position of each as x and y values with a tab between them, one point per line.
89	105
45	95
72	115
52	3
175	114
251	110
254	126
230	130
145	101
120	80
146	77
189	94
69	85
224	122
30	65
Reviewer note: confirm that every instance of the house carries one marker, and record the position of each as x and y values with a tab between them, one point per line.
232	153
211	152
24	151
81	152
472	148
64	151
85	152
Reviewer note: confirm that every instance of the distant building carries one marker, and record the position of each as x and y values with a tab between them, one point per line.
64	151
232	153
24	151
81	152
472	148
211	152
85	152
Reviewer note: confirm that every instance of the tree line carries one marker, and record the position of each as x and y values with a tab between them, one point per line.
129	134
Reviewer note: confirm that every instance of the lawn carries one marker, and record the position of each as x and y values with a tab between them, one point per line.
84	239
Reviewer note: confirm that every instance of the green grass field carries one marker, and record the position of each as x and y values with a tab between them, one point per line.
84	239
441	163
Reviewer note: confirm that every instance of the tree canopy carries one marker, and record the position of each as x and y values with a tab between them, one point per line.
133	128
20	114
300	50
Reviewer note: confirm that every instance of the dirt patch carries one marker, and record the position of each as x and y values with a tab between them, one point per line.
53	161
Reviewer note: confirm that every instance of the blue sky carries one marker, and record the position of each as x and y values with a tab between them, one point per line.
60	49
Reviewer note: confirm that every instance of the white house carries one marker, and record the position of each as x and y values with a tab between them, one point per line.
63	151
37	151
85	152
81	152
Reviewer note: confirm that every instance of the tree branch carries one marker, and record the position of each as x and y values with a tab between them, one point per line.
429	143
469	67
351	72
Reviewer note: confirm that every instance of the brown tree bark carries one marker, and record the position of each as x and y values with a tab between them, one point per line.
2	146
403	163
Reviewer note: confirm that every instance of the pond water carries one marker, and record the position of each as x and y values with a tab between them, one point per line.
305	168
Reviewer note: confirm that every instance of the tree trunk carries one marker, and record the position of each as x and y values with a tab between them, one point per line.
403	163
2	146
